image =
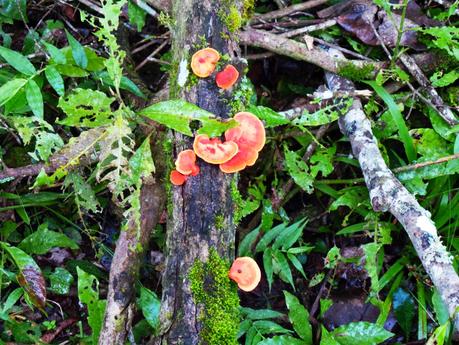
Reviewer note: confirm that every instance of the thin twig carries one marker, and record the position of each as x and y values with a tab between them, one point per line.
284	12
151	56
310	28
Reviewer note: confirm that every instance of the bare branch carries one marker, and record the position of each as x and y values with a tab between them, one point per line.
284	12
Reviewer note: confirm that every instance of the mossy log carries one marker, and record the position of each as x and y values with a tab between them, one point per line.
200	238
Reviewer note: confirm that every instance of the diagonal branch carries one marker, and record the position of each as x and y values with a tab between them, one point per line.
388	194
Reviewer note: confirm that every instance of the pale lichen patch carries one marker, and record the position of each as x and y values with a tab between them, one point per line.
183	73
425	224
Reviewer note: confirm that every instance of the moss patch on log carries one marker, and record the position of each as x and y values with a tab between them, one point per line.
353	72
212	289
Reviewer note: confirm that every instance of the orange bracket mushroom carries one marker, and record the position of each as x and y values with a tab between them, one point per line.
246	273
226	78
186	162
250	137
213	150
203	62
176	178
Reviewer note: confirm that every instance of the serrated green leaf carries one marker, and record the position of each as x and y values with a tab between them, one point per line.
178	114
299	317
10	88
42	240
283	268
18	61
78	52
34	98
361	333
268	237
290	235
299	170
296	263
86	108
55	80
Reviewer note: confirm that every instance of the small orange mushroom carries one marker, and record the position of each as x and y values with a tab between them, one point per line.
246	273
213	150
250	132
195	170
226	78
177	178
203	62
186	160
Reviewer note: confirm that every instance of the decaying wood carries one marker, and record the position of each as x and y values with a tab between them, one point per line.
128	256
284	12
196	206
388	194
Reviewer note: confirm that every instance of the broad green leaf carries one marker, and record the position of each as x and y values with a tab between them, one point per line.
57	56
269	327
150	305
71	71
18	61
269	116
29	276
136	15
95	62
34	98
88	293
327	338
42	240
60	281
46	144
245	246
439	336
125	83
398	118
244	326
86	108
361	333
325	304
268	266
10	88
282	340
441	311
404	310
178	114
13	9
78	52
299	317
260	314
324	115
55	80
283	268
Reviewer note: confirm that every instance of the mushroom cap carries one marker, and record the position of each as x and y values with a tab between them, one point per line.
246	156
213	150
203	62
227	77
250	132
195	170
176	178
185	162
246	273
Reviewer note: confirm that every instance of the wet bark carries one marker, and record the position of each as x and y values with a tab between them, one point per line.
202	208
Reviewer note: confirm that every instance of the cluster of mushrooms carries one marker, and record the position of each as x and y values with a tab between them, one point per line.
242	143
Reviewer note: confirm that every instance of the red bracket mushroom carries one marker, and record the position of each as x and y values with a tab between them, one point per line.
176	178
186	162
213	150
203	62
226	78
250	137
246	273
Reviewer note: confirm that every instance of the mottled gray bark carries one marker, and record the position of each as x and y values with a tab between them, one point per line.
388	194
202	208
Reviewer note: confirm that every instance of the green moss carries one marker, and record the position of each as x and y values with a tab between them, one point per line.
166	20
237	201
242	96
247	10
220	222
350	71
212	288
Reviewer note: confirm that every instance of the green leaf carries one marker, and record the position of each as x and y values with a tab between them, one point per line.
150	305
10	88
268	266
268	237
42	240
246	244
299	170
60	281
361	333
18	61
283	268
136	15
178	114
371	263
324	115
125	83
34	98
88	293
260	314
84	194
78	52
296	263
86	108
282	340
71	71
404	310
439	80
269	116
398	118
299	317
57	56
269	327
441	311
55	80
290	235
327	338
13	297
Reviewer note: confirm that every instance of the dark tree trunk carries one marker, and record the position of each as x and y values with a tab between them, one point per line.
200	240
